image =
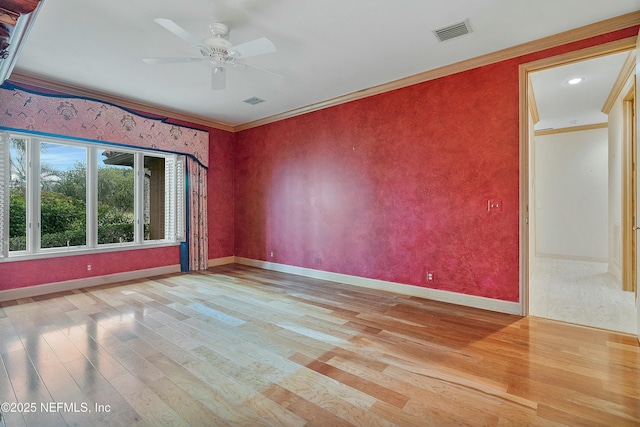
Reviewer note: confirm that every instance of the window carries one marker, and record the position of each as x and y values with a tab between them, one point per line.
116	204
62	196
63	189
154	183
18	192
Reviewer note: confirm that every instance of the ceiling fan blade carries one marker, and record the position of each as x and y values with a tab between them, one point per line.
218	78
154	61
264	70
255	47
169	25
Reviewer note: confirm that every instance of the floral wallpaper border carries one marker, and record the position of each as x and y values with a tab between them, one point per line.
25	109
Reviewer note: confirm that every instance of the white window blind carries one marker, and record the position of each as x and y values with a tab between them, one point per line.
169	197
180	211
174	198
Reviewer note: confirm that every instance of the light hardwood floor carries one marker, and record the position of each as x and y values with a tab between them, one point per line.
580	292
239	346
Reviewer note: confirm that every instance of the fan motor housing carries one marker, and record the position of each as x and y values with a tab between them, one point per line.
217	43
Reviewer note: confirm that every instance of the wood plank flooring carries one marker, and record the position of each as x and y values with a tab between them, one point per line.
238	346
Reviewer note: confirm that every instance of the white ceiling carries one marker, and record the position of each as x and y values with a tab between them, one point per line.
325	48
561	105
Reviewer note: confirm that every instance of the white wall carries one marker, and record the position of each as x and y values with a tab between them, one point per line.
571	190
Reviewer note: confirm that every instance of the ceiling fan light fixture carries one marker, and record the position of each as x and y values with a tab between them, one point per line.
216	49
218	78
219	30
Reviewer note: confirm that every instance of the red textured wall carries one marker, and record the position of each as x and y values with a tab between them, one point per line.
391	186
19	274
220	201
396	185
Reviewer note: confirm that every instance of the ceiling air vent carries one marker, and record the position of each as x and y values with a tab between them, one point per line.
452	31
253	100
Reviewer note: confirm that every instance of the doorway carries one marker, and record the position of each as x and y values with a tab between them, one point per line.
573	188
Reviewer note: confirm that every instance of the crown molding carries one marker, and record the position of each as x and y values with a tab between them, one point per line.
625	74
66	89
545	132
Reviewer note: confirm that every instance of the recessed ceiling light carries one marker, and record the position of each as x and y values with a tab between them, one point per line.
576	80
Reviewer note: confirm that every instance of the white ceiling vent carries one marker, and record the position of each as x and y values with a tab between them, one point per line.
253	100
452	31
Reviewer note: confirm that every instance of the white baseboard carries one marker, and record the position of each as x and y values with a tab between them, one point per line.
417	291
615	271
68	285
433	294
221	261
571	257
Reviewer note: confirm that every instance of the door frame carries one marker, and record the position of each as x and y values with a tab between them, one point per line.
525	69
629	191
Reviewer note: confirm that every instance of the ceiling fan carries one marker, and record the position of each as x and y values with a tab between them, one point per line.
216	49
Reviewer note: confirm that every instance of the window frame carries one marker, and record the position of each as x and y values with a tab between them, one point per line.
175	198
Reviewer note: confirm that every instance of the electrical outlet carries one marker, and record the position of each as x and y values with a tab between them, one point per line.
430	276
494	205
271	254
88	267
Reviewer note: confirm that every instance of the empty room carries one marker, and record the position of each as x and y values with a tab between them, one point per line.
298	213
